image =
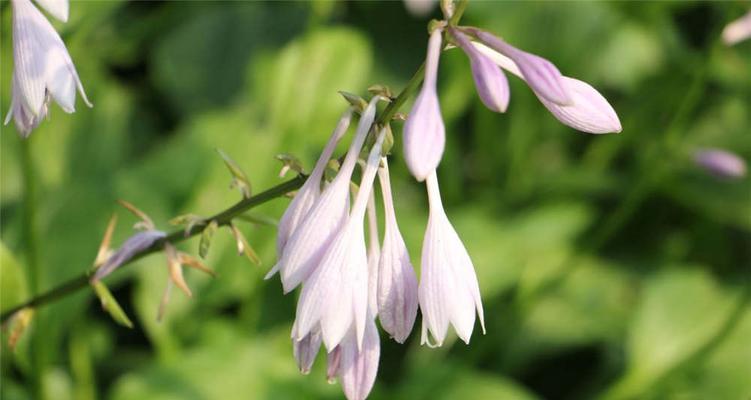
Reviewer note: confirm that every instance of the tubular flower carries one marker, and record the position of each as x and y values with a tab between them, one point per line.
355	366
721	163
490	81
448	290
397	283
424	132
310	190
43	69
584	108
304	249
305	350
336	294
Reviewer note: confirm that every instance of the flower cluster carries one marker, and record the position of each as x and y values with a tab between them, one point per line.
43	69
321	244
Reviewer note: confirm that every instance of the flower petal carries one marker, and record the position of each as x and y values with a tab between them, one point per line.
57	8
490	81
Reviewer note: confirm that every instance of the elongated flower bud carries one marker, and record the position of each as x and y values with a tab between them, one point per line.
448	290
306	350
424	132
336	294
308	243
588	112
357	367
490	81
541	75
132	246
721	163
397	283
310	191
42	69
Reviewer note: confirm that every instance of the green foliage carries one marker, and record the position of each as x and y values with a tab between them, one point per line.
610	266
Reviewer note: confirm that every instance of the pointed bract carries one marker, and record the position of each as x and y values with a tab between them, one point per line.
397	283
448	290
424	132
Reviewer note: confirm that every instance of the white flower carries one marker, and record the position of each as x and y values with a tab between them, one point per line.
308	243
397	283
336	293
355	366
43	69
587	111
448	290
424	132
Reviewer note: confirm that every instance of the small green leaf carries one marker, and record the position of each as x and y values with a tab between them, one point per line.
239	179
110	304
208	233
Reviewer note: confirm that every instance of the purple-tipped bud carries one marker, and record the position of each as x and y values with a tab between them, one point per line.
721	163
424	132
589	111
306	350
490	81
397	283
541	75
134	245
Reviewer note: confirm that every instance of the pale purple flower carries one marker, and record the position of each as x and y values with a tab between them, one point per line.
355	366
490	81
310	191
424	132
397	283
588	111
449	293
721	163
738	30
306	350
336	293
133	245
57	8
43	69
308	243
540	74
374	254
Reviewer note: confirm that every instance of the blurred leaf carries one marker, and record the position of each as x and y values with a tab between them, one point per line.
111	305
258	219
13	287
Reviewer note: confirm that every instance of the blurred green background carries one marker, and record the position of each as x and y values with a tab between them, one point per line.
610	266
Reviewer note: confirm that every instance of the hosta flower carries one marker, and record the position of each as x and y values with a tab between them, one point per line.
304	249
424	132
133	245
449	293
585	109
43	68
336	294
306	350
374	255
490	81
355	366
738	30
721	163
397	283
310	190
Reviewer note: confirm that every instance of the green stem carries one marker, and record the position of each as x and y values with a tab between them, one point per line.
30	234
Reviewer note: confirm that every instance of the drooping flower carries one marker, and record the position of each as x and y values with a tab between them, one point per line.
355	366
397	283
587	110
305	350
738	30
310	191
43	68
490	81
308	243
721	163
448	292
374	255
424	132
336	293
